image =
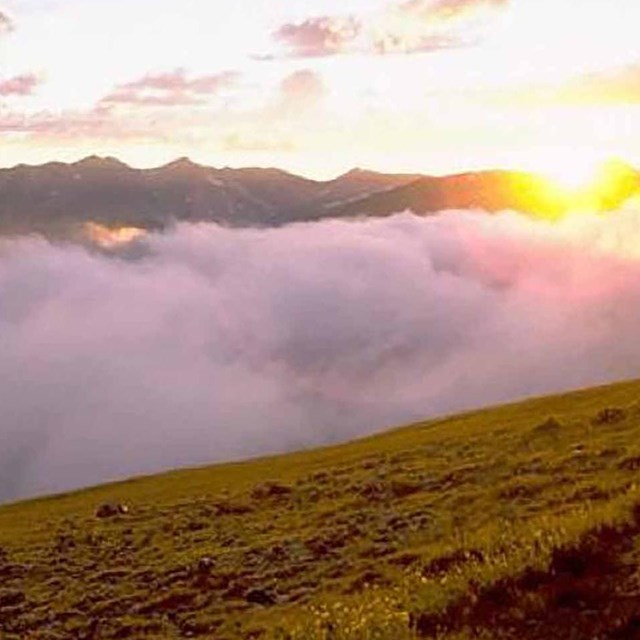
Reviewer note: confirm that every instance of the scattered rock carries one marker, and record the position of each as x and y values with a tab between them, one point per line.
271	490
405	560
227	508
404	488
373	491
365	580
444	564
11	598
630	464
610	415
261	596
111	510
551	426
11	571
205	565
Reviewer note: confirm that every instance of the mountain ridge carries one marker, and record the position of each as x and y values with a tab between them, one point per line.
56	195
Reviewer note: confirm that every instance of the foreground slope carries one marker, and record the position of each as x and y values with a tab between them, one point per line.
515	522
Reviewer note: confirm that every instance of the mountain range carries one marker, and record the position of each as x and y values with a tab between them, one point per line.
54	196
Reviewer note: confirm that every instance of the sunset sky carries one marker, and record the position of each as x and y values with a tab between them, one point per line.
318	87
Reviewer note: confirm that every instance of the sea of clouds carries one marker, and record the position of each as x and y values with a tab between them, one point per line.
206	343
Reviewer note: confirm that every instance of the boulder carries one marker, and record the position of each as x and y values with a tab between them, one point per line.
260	596
111	510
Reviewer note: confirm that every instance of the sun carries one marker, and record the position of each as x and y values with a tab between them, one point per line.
591	185
575	175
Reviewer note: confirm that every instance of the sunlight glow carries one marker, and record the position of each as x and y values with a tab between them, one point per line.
576	175
107	238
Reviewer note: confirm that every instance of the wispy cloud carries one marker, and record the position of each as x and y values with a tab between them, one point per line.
616	86
318	37
175	88
610	87
97	123
418	26
449	9
302	88
22	85
413	26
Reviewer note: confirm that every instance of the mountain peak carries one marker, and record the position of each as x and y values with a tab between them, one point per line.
94	161
183	163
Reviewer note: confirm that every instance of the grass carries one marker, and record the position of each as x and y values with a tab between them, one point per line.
515	522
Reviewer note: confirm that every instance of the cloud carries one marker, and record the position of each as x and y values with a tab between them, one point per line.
618	86
73	125
393	42
413	26
418	26
217	343
450	9
318	37
23	85
303	88
6	23
171	89
615	86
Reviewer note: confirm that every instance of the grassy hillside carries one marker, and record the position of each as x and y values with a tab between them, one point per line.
515	522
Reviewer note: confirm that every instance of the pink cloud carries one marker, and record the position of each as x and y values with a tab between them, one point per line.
303	86
438	20
98	123
170	89
317	37
23	85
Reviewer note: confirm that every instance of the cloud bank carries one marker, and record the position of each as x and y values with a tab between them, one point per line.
212	343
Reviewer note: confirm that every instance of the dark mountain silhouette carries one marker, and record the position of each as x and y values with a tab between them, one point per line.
53	197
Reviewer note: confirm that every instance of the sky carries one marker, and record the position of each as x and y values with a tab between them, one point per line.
318	87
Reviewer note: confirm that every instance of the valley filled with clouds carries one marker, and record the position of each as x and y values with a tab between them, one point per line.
204	343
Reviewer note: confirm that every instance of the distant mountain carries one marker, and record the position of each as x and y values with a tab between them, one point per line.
498	191
53	197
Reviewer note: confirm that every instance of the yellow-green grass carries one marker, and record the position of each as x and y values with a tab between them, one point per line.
398	535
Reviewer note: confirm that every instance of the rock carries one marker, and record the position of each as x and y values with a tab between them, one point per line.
261	597
228	508
11	598
205	565
610	415
12	571
271	490
111	510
